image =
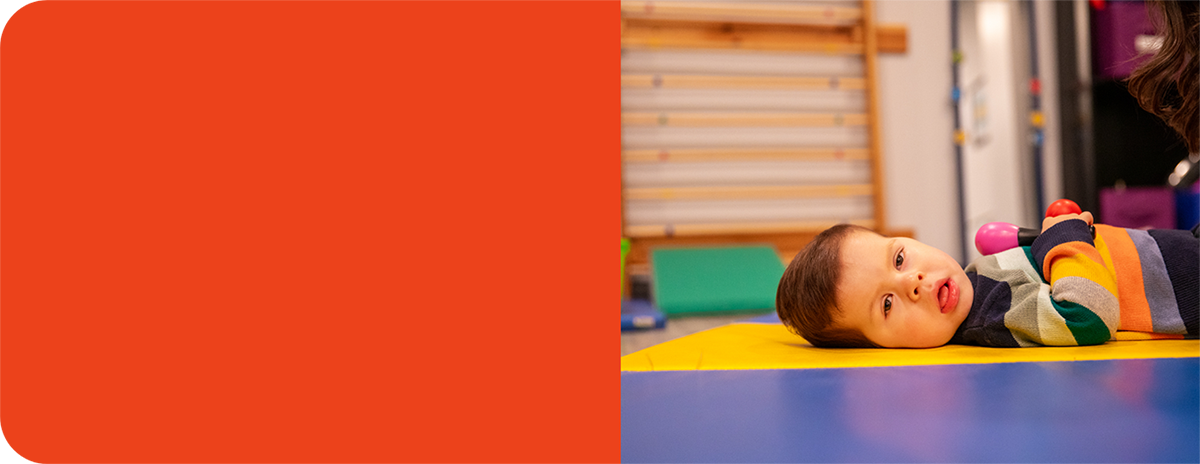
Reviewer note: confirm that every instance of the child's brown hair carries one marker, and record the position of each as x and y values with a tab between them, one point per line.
1166	85
807	296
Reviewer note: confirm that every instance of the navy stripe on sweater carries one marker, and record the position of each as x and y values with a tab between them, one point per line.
986	328
1181	253
1075	230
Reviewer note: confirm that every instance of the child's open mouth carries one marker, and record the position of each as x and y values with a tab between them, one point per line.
948	296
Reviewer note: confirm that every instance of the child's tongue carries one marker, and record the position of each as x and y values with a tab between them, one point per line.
943	295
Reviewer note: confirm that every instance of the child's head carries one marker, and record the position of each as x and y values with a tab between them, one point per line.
851	287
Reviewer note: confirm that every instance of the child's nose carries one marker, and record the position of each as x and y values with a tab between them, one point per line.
916	280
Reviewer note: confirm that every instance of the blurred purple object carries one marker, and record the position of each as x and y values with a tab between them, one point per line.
1114	37
1138	207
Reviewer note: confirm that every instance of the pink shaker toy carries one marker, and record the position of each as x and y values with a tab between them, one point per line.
995	237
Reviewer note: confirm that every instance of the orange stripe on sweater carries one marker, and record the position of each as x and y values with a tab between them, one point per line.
1135	310
1068	249
1129	335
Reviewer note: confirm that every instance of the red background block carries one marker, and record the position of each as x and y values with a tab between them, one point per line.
310	231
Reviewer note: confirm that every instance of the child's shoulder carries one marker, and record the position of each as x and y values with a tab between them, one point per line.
1007	265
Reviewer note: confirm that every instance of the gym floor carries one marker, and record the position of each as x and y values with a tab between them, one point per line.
676	327
749	393
1126	410
631	341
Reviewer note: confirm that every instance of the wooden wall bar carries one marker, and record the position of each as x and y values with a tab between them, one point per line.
661	129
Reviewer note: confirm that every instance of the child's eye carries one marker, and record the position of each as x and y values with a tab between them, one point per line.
887	305
899	258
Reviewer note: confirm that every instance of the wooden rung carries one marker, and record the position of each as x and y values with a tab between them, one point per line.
765	154
641	33
775	13
741	82
679	230
743	119
788	242
747	192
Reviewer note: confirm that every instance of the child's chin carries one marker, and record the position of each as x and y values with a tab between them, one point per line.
936	345
928	344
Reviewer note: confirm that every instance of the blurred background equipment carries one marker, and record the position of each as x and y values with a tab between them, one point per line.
749	122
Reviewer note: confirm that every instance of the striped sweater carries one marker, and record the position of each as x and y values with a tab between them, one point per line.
1068	289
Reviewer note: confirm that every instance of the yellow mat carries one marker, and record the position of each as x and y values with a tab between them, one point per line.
771	346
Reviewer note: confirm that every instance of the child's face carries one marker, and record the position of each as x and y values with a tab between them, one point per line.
900	292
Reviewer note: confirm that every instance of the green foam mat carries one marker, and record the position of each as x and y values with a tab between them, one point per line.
715	279
624	253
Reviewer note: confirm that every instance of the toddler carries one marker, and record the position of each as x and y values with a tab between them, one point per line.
851	287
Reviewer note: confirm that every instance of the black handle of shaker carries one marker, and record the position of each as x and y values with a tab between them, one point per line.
1025	237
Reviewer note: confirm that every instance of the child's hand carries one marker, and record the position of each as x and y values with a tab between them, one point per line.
1051	221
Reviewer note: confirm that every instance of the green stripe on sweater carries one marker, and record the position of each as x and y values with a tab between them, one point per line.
1087	327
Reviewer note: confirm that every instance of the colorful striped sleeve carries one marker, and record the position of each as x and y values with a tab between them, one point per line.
1156	278
1083	291
1179	252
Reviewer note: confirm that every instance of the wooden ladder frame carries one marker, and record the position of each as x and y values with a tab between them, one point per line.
774	27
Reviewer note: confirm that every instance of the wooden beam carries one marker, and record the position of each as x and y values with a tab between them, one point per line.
876	144
771	13
748	154
656	25
787	243
738	228
891	38
676	81
747	192
642	33
743	119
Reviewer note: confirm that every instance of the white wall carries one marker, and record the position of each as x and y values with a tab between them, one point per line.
994	159
917	119
1048	73
916	115
917	122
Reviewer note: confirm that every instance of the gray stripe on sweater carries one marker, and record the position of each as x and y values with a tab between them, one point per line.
1164	310
1091	295
1023	319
